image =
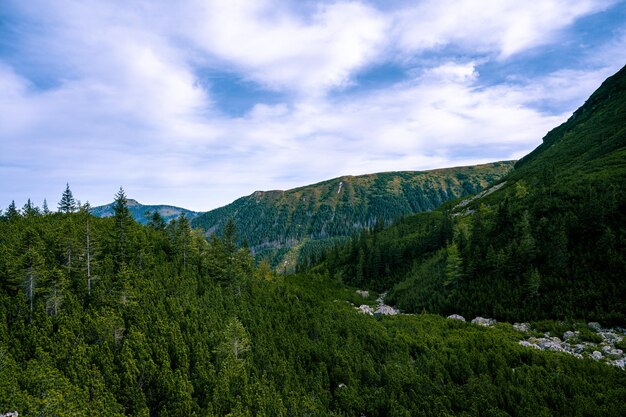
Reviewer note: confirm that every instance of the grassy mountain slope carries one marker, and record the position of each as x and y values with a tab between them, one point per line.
549	243
141	213
590	144
339	207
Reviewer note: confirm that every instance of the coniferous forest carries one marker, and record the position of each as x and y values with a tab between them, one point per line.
107	317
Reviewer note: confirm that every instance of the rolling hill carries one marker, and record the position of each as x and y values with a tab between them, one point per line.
274	221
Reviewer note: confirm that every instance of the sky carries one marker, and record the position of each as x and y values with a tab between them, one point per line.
195	103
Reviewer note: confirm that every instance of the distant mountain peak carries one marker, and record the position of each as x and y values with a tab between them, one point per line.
142	213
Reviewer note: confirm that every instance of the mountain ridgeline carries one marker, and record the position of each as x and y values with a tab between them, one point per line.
143	213
548	243
274	221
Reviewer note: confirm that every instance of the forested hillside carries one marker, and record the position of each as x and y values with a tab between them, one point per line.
272	222
106	317
549	243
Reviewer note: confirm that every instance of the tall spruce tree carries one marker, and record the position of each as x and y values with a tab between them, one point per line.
12	211
44	207
123	219
67	203
30	209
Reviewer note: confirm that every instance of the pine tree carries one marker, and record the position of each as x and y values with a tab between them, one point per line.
29	209
454	266
45	208
67	203
183	237
12	212
156	221
88	248
229	237
123	219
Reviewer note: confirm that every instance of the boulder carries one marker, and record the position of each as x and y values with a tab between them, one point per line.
620	363
522	327
610	337
456	317
594	325
385	310
568	335
596	355
481	321
365	309
528	344
363	293
551	345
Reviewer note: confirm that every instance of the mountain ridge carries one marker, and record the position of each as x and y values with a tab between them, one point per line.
280	219
142	213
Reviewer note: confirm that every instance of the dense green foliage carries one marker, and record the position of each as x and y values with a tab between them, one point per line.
173	325
275	222
550	243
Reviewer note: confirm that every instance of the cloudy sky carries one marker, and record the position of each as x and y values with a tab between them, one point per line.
198	102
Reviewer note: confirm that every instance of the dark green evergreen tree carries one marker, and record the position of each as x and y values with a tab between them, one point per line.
44	207
229	236
156	221
29	209
123	220
67	203
12	211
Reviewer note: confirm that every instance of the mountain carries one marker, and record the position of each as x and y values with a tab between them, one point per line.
274	221
141	213
548	242
114	319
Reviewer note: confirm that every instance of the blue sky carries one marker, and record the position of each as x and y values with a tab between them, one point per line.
198	102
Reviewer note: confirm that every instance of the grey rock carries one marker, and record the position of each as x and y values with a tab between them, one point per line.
596	355
528	344
385	310
616	353
568	335
594	325
522	327
620	363
486	322
610	337
363	293
550	345
456	317
365	309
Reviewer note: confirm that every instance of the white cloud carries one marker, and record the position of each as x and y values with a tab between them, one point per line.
500	27
282	50
127	109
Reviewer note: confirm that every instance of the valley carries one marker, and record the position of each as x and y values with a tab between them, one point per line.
105	316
